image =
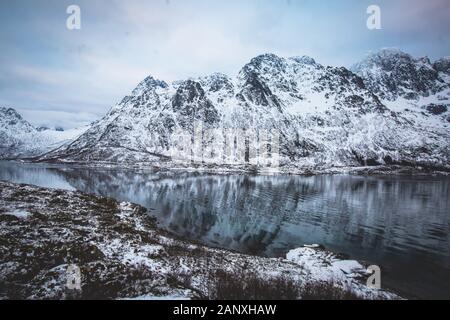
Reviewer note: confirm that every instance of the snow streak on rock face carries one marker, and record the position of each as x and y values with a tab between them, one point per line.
18	138
311	116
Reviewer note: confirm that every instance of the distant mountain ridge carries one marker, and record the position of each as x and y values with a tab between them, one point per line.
391	109
19	139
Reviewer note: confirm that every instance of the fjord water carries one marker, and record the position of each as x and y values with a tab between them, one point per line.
399	223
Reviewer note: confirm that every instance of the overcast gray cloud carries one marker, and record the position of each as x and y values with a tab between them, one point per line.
61	77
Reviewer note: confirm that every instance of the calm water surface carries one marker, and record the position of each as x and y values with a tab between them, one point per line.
399	223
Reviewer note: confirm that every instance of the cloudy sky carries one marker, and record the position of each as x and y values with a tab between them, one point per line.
55	76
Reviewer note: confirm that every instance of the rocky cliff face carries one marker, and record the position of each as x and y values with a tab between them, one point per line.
289	113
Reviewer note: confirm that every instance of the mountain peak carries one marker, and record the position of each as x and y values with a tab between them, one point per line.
390	54
386	59
267	63
391	51
214	77
442	65
387	54
266	57
266	60
10	118
303	60
149	83
10	113
189	91
391	73
425	60
216	82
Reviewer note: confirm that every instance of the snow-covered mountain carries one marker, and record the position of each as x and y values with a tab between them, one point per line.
18	138
393	112
402	81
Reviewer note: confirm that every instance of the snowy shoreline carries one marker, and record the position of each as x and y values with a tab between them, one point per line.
227	170
122	254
